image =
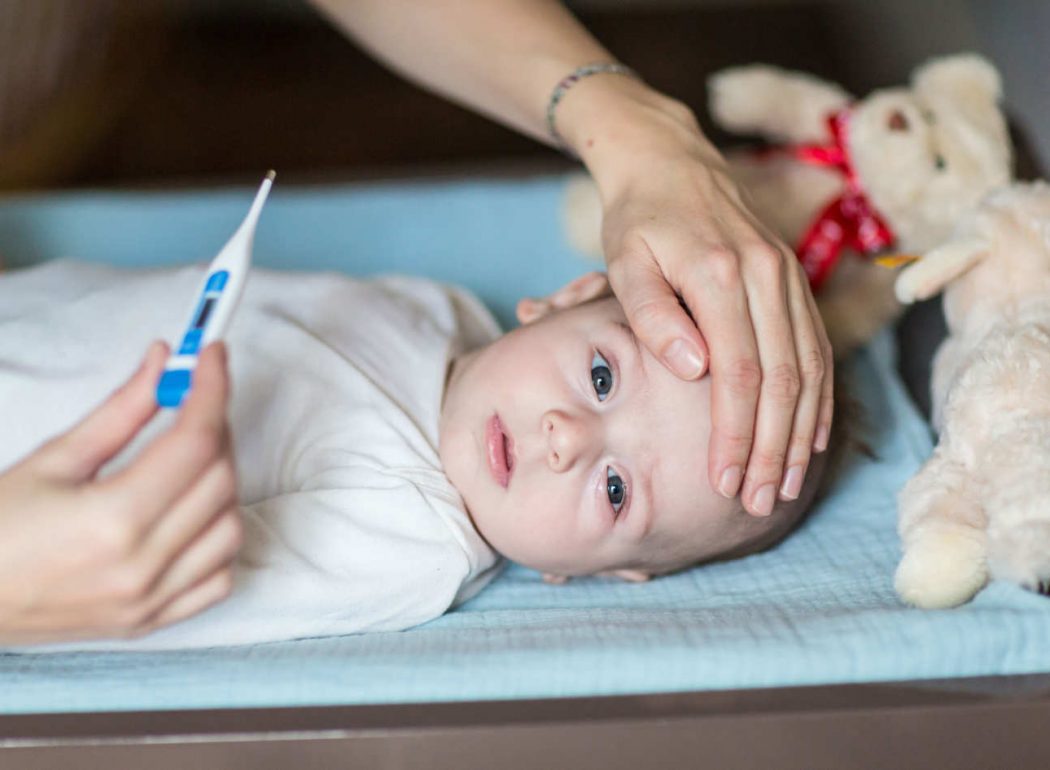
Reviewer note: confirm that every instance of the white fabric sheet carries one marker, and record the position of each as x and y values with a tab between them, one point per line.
351	525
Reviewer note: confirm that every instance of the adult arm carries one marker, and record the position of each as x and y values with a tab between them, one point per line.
674	223
85	558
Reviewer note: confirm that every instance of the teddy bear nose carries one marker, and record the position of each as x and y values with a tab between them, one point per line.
567	438
897	121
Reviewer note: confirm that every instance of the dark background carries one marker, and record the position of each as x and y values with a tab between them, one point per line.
192	92
227	92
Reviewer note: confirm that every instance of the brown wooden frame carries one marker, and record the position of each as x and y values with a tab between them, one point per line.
979	723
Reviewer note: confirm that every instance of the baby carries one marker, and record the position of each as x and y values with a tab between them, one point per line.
391	444
577	452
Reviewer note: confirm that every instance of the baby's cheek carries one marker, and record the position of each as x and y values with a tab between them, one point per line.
539	532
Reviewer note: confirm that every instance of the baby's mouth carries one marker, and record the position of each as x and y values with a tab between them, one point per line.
499	448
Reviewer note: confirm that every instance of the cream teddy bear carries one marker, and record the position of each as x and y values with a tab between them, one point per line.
980	506
920	157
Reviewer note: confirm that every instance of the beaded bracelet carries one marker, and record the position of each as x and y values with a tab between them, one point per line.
569	81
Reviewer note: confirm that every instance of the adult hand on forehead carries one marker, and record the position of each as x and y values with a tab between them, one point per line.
675	225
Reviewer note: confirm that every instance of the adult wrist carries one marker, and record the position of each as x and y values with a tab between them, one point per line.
617	124
567	82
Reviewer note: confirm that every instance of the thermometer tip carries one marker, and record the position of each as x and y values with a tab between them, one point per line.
271	174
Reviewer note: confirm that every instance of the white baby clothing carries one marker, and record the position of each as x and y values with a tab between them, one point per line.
350	523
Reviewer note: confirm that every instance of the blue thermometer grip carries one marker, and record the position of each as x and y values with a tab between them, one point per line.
177	379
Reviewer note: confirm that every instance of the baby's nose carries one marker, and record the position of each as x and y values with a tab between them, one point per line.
568	437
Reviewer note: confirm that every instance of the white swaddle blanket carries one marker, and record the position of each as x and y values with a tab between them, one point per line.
351	525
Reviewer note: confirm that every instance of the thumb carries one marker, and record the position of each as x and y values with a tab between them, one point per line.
660	321
78	454
207	402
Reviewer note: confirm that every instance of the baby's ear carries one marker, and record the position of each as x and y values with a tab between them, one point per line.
630	575
577	291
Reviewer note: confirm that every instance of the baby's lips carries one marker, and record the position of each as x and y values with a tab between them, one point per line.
496	451
508	449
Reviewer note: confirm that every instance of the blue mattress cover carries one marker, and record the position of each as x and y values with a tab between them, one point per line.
820	608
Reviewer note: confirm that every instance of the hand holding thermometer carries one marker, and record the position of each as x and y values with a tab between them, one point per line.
216	300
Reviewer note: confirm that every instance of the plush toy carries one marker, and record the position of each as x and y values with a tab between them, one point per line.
980	507
894	170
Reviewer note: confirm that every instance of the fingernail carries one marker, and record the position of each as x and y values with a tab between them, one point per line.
730	481
681	357
792	485
762	502
820	443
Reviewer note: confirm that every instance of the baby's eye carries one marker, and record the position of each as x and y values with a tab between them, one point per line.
616	489
601	376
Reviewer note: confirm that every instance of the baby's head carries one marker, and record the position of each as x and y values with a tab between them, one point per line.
577	452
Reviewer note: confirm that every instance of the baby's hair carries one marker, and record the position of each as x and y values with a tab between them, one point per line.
848	428
844	441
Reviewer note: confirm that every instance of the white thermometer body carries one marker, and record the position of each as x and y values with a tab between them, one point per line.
213	306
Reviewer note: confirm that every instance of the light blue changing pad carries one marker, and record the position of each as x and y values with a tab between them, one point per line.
819	608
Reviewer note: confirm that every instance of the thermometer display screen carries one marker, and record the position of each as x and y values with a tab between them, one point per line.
202	316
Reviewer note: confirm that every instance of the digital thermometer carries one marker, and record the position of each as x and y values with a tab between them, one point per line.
214	304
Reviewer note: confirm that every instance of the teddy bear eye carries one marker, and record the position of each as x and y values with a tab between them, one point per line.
939	162
897	121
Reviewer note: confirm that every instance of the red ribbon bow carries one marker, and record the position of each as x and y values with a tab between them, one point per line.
850	220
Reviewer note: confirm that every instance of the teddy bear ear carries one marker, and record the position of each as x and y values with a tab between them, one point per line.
963	76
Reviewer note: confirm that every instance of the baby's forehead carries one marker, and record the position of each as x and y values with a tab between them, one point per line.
672	418
692	523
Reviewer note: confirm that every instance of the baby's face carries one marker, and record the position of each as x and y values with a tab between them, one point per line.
576	451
